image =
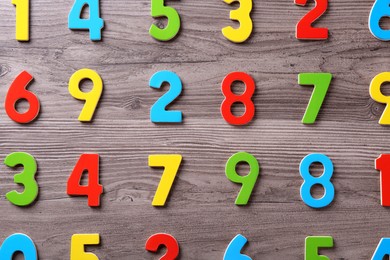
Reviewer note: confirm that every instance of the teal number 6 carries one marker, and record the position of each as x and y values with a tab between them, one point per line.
248	182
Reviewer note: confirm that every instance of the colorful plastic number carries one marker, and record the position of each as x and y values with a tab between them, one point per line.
22	28
313	243
158	9
304	29
16	92
92	97
171	164
242	15
382	163
26	178
382	250
380	9
78	242
90	163
376	94
161	239
321	82
158	112
309	180
18	243
233	251
231	98
94	24
248	182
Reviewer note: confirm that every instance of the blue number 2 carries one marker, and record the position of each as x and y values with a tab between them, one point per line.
233	251
94	24
158	112
381	8
309	180
18	243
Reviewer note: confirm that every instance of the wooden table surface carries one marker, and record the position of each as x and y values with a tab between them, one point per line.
201	213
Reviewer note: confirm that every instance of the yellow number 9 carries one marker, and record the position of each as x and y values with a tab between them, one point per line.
92	97
376	94
242	15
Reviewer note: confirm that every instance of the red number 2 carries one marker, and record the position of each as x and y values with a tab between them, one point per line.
156	240
304	30
17	91
245	98
90	163
383	165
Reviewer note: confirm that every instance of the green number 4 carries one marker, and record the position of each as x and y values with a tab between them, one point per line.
321	82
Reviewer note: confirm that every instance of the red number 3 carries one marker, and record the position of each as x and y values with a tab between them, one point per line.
231	98
17	91
304	30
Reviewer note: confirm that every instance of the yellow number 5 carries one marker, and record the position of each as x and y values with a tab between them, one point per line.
78	243
22	19
376	94
242	15
171	164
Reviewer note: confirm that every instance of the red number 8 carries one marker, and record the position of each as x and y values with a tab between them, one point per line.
17	91
231	98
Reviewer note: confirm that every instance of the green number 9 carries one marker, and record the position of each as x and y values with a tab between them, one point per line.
248	181
26	178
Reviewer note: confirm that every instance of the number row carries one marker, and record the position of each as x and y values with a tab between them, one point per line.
304	28
89	164
158	112
22	243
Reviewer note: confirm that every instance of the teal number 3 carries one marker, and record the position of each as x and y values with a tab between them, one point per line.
158	112
94	24
248	182
173	26
26	178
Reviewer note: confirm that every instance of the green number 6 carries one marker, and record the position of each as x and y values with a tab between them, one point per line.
26	178
248	181
173	25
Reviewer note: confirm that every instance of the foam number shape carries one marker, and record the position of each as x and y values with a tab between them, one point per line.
248	182
380	9
242	15
78	242
382	250
16	92
18	243
94	23
321	82
312	244
158	9
233	251
92	97
304	29
231	98
376	94
87	163
309	181
171	164
155	241
382	163
22	28
158	112
25	178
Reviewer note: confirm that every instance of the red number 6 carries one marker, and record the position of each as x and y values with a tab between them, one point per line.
231	98
17	91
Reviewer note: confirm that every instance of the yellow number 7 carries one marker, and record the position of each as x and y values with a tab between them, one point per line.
171	164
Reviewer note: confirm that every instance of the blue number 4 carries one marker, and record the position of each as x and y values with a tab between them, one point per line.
158	112
94	24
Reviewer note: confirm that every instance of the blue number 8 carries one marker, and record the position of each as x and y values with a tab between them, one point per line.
309	180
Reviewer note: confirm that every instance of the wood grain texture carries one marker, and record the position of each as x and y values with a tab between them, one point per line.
201	213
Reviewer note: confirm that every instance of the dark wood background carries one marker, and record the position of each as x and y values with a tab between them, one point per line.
201	213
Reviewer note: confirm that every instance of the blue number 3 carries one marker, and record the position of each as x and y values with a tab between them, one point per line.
309	180
158	112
